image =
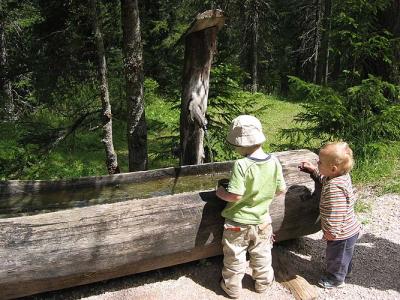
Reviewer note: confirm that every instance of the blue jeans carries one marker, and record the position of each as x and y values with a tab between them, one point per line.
339	255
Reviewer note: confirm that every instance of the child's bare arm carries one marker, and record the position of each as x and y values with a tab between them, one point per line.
307	167
223	194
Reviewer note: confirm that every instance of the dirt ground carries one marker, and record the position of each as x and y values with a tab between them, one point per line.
376	268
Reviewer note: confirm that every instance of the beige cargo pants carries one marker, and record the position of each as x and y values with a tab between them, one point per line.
237	239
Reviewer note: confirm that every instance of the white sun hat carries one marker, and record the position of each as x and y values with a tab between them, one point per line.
245	131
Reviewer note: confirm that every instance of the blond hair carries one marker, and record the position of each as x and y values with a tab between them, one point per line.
340	155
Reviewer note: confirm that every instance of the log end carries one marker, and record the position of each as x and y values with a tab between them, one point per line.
207	19
286	275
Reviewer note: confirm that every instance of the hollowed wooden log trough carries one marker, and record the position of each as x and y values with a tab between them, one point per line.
58	234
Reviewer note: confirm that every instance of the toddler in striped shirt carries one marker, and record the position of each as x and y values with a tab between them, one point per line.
338	220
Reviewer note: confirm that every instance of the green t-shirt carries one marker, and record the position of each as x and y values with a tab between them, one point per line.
256	181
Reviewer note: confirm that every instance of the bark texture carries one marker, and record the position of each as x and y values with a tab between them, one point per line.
325	42
317	40
107	140
133	66
6	98
254	50
200	45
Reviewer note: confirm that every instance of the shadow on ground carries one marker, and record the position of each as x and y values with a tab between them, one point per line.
376	262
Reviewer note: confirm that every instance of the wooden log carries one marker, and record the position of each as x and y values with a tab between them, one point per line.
70	247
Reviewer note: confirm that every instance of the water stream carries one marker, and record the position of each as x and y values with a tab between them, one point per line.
210	153
44	201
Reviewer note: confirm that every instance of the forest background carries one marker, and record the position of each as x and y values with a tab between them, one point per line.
311	70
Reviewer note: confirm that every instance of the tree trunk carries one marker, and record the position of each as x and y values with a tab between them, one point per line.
133	66
107	140
325	41
254	49
55	250
6	100
317	39
200	45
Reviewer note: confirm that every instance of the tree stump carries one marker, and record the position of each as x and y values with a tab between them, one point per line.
200	46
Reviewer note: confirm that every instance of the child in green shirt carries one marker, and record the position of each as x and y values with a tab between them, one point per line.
255	180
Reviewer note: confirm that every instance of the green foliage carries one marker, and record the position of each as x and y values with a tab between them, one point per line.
363	115
163	24
360	40
51	63
380	167
367	116
279	114
226	80
226	102
12	157
25	155
162	117
150	90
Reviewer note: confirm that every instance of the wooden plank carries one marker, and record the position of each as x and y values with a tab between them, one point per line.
50	251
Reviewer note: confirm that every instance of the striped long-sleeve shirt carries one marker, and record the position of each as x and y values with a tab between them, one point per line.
338	220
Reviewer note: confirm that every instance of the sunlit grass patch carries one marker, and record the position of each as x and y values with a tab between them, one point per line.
382	169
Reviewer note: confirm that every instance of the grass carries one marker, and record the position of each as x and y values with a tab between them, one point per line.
162	119
382	170
83	154
278	115
163	135
362	206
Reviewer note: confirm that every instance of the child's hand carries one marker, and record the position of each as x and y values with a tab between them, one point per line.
223	182
220	190
307	167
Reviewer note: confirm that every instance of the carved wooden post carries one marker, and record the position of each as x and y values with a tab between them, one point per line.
200	45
